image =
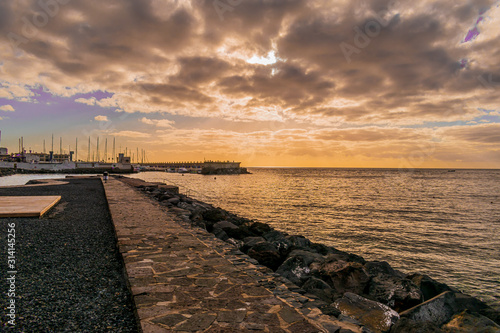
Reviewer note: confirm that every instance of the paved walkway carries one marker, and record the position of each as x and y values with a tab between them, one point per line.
184	279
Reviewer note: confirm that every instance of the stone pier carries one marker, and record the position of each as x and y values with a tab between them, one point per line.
183	279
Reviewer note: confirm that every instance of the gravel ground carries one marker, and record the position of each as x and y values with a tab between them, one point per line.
70	277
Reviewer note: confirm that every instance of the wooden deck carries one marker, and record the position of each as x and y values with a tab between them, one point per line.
26	206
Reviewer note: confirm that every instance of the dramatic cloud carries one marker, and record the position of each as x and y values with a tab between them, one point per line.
347	74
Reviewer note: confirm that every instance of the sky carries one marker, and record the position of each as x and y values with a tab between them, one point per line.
301	83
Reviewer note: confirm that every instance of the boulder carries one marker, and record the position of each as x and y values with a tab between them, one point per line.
349	257
197	219
438	310
466	302
232	230
299	242
399	294
342	276
220	234
296	267
375	316
321	248
239	221
259	228
214	215
250	242
237	243
274	235
186	199
186	206
174	201
225	225
165	197
469	322
278	239
405	325
430	288
266	254
319	288
381	267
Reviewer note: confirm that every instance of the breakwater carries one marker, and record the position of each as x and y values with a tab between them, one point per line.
369	293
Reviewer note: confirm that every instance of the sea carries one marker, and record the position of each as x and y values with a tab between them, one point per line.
443	223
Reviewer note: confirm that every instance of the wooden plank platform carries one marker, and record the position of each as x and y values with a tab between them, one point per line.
26	206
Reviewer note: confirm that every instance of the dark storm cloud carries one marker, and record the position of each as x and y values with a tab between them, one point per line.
196	70
289	85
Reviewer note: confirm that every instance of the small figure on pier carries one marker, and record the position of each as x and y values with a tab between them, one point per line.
105	176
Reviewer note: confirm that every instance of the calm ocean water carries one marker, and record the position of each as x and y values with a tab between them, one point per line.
444	224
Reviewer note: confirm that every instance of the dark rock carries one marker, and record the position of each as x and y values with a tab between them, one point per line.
171	189
174	201
225	225
239	221
380	267
284	247
235	242
213	216
242	233
330	310
342	276
469	322
399	294
299	242
430	288
259	228
376	316
296	267
220	234
438	310
186	206
165	197
321	248
249	242
319	288
346	319
273	236
405	325
266	254
231	229
466	302
197	219
156	193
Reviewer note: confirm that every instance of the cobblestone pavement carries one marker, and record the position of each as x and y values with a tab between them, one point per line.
184	279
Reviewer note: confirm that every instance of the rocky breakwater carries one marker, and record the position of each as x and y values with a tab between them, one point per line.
369	294
224	171
7	172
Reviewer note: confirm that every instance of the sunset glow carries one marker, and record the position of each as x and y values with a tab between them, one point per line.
268	83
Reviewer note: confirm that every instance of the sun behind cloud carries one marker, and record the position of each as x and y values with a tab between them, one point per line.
289	82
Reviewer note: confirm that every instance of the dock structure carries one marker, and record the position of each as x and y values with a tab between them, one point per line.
205	167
